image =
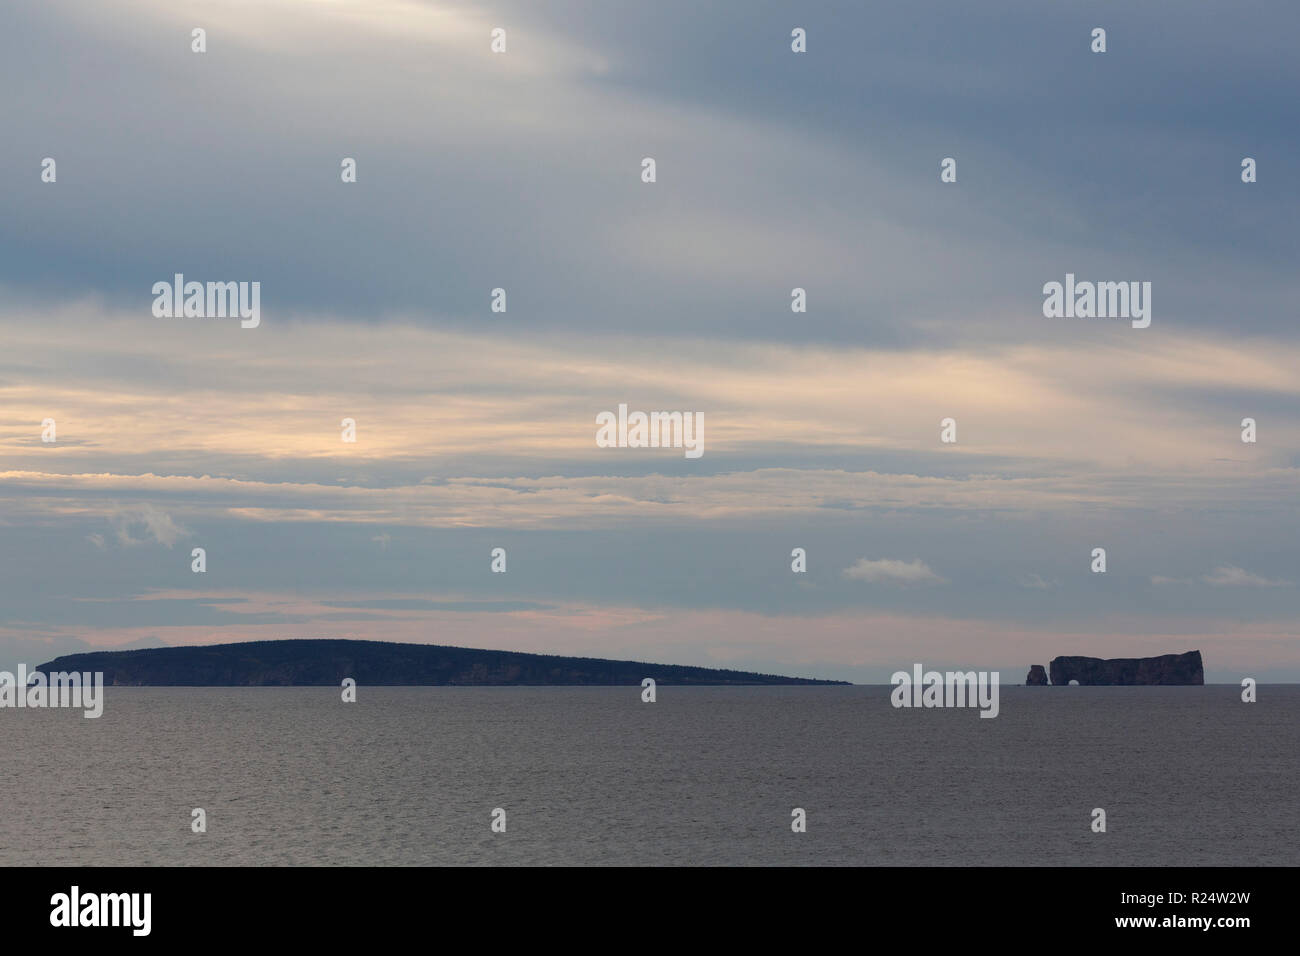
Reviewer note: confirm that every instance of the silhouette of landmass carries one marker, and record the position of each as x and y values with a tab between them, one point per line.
321	662
1180	669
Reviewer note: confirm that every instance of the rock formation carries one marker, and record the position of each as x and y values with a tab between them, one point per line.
1165	669
1037	676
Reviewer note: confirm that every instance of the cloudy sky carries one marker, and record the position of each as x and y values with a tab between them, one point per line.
775	170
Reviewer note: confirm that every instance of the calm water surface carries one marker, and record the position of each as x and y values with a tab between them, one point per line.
1187	776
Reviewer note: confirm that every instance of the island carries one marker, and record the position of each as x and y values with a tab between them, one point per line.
1169	669
312	662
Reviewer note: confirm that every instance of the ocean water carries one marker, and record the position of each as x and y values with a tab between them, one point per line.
591	775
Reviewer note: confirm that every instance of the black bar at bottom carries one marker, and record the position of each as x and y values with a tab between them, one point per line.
333	905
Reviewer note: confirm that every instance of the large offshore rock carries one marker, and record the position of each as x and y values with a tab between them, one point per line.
1165	669
1037	676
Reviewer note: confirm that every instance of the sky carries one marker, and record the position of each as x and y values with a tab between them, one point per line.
774	170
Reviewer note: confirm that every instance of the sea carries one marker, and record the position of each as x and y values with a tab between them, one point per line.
416	776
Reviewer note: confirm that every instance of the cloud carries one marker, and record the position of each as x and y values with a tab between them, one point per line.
587	501
887	571
549	136
671	296
1037	582
156	524
140	393
1225	576
1233	577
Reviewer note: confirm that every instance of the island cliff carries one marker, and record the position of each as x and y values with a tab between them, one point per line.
1165	669
319	662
